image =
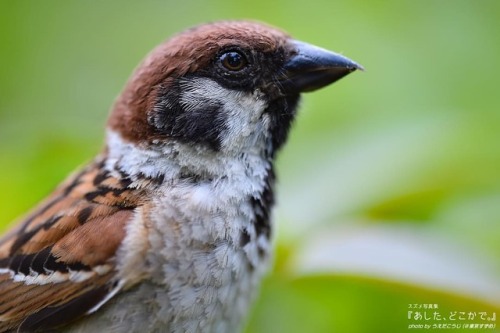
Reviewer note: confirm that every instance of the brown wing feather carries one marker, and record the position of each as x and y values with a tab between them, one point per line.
58	263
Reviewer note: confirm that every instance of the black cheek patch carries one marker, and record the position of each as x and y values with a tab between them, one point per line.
203	124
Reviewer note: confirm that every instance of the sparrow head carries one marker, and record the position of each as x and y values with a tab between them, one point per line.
226	86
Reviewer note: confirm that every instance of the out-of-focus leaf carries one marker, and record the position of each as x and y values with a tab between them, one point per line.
346	303
359	169
405	253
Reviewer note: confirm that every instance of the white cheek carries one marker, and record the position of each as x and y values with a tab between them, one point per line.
266	122
243	118
242	111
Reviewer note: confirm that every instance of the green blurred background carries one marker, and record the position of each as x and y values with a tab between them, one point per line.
389	189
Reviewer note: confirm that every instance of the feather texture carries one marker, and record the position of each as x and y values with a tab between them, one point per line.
59	262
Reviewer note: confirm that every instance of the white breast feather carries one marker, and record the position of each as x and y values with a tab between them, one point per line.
194	228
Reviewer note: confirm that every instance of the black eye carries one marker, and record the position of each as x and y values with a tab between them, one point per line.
233	61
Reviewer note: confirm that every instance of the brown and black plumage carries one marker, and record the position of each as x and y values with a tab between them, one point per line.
169	229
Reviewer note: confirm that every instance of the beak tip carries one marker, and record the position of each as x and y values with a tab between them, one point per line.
312	67
359	67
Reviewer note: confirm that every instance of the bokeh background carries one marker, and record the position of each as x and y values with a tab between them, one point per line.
389	194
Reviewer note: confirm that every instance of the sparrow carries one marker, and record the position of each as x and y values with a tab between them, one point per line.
169	228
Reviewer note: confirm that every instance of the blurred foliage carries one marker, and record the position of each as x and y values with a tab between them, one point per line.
411	143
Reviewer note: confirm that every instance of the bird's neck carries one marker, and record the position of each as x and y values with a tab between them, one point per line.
175	161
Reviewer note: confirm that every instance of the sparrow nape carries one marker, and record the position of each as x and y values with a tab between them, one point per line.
168	229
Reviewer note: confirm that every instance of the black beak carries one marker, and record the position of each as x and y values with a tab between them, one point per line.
312	68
